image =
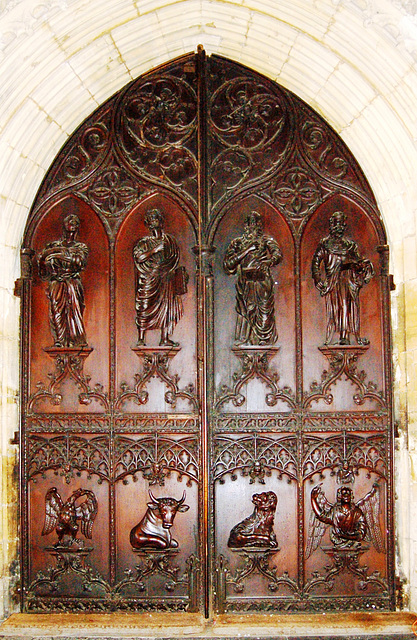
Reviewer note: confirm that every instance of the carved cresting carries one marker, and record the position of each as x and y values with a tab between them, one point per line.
205	306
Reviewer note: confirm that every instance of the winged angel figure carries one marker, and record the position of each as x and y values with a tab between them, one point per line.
63	516
350	523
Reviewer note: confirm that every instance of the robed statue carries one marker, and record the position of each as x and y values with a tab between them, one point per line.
160	281
339	273
251	257
60	264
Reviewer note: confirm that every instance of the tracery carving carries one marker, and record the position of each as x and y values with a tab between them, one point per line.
296	192
112	192
81	155
68	456
158	119
245	114
156	457
69	363
255	457
344	453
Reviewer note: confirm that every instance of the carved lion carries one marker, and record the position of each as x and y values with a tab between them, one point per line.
257	529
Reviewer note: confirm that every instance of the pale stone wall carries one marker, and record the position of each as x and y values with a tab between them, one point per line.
354	61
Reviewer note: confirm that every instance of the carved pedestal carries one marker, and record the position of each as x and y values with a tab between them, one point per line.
255	364
155	364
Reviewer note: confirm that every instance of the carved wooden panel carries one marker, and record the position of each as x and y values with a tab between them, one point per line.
206	377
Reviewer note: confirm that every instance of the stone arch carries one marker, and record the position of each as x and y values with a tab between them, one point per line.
363	82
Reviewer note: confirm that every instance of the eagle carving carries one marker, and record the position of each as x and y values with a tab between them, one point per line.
63	516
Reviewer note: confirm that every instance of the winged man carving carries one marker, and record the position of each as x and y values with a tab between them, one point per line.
63	516
350	523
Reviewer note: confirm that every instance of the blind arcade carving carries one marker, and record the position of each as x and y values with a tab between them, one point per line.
218	299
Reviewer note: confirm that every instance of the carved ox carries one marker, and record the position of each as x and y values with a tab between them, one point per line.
153	531
257	529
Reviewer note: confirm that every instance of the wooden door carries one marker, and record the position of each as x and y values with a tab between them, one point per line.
206	375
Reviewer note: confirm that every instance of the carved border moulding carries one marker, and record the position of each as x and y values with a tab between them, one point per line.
353	421
156	458
68	455
155	364
344	455
255	422
343	362
62	423
346	560
69	363
128	423
256	457
254	360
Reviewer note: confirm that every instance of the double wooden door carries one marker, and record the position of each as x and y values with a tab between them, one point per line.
206	382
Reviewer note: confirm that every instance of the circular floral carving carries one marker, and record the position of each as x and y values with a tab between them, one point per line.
246	114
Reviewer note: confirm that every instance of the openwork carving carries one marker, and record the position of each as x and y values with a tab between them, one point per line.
343	365
68	456
323	151
199	141
345	454
255	457
245	115
344	274
255	365
254	561
81	154
156	458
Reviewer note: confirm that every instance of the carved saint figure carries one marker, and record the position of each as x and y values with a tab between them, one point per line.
350	523
160	282
60	264
339	274
251	257
257	529
154	530
63	516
